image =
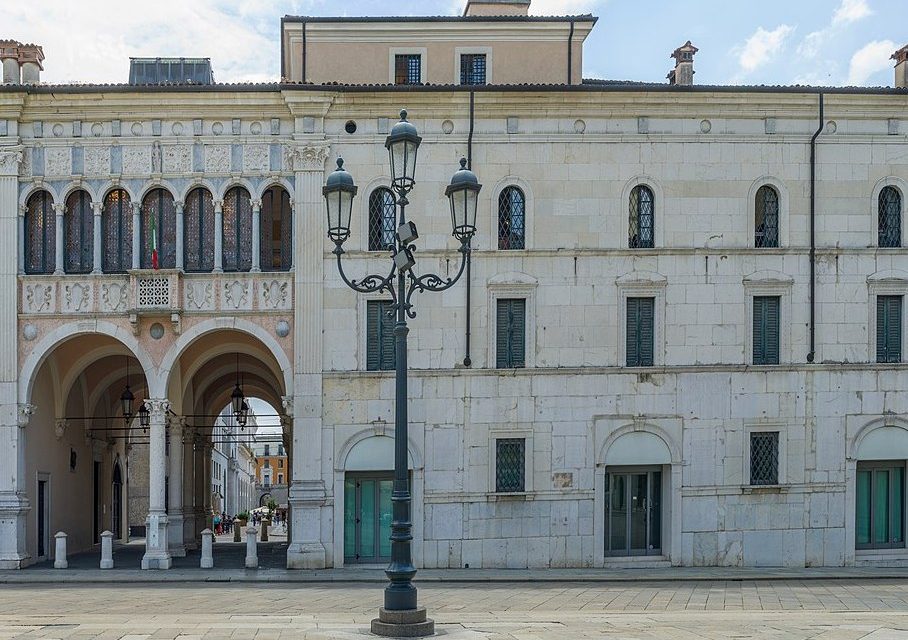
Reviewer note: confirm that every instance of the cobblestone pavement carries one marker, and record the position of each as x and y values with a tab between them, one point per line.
816	609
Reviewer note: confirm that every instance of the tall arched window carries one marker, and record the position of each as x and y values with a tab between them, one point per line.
159	230
237	223
766	220
78	233
890	214
198	231
40	233
642	218
511	219
116	232
277	230
382	219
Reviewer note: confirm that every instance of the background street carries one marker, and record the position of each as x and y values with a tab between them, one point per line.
816	609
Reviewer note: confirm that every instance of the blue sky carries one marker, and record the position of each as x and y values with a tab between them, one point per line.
834	42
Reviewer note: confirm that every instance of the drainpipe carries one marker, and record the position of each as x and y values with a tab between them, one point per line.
304	53
570	52
467	361
813	243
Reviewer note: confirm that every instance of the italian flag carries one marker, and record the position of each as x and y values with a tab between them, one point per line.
154	244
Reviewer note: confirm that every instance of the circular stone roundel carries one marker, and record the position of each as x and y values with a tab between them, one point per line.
156	331
30	332
282	328
447	127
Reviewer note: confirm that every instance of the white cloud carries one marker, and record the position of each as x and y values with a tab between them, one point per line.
563	7
870	59
851	11
812	43
761	47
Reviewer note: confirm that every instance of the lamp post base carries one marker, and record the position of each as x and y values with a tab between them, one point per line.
410	623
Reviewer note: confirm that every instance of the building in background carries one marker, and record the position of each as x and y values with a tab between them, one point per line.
272	473
233	465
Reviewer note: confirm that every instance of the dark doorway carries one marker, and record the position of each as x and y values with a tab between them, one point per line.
116	503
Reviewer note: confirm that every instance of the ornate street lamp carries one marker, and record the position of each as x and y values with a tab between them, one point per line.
127	397
144	417
400	616
238	399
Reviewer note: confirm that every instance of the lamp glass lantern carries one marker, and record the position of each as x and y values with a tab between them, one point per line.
237	400
144	417
463	194
339	191
126	400
402	144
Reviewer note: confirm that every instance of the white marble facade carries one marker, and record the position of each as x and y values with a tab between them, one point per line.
576	156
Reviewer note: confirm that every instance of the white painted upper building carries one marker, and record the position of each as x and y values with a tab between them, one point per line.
686	311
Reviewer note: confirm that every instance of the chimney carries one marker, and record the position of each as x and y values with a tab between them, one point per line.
683	73
497	8
901	67
9	58
30	58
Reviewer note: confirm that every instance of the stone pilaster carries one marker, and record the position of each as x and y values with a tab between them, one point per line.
96	237
136	234
218	236
157	553
176	544
307	490
181	259
59	209
256	236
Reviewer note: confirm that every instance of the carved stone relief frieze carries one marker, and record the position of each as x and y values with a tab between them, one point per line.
57	161
114	297
10	161
307	158
255	157
274	294
77	297
217	158
178	158
38	298
25	166
136	160
97	161
198	295
236	295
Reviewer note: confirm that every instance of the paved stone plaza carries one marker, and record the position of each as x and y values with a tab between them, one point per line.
817	609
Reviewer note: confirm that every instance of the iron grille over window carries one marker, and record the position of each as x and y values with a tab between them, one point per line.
407	68
382	220
889	328
40	234
510	346
510	464
764	457
379	336
640	330
158	206
511	219
116	232
78	233
641	220
473	68
766	222
890	217
766	329
198	231
277	230
237	225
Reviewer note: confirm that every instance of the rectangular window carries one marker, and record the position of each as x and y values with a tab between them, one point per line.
267	449
889	328
766	329
407	68
510	464
764	457
473	68
510	343
379	336
639	338
879	505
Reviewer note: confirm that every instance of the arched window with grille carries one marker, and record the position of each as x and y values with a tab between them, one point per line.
382	219
766	217
78	233
40	233
237	228
198	231
277	230
511	218
159	230
116	232
890	217
641	218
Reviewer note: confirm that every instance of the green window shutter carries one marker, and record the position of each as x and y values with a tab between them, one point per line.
889	328
766	329
645	332
640	332
510	333
631	333
379	336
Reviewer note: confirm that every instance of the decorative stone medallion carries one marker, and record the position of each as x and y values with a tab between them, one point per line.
29	332
282	328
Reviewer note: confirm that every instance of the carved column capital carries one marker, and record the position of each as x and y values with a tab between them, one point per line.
158	408
59	208
9	161
97	208
309	157
178	205
256	206
287	404
24	414
218	206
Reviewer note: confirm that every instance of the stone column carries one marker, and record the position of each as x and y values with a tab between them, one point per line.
14	506
20	263
175	488
307	495
59	208
181	261
157	553
218	236
136	234
256	236
206	484
96	237
190	539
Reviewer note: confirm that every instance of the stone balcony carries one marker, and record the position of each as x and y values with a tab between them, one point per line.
148	293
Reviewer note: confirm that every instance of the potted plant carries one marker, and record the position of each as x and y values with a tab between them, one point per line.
243	517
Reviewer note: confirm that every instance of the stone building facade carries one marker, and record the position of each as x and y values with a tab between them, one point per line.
685	317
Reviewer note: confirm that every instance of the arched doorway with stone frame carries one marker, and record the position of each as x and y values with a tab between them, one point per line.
75	385
213	368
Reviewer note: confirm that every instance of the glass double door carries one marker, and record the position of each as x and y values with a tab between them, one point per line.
367	517
880	505
633	512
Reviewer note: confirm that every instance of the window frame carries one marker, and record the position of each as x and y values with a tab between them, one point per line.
769	284
241	250
623	240
873	466
882	285
393	52
757	201
498	302
633	206
753	319
512	286
764	426
498	226
506	432
382	219
47	209
522	444
120	212
901	321
462	51
384	300
642	285
782	235
83	210
901	214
